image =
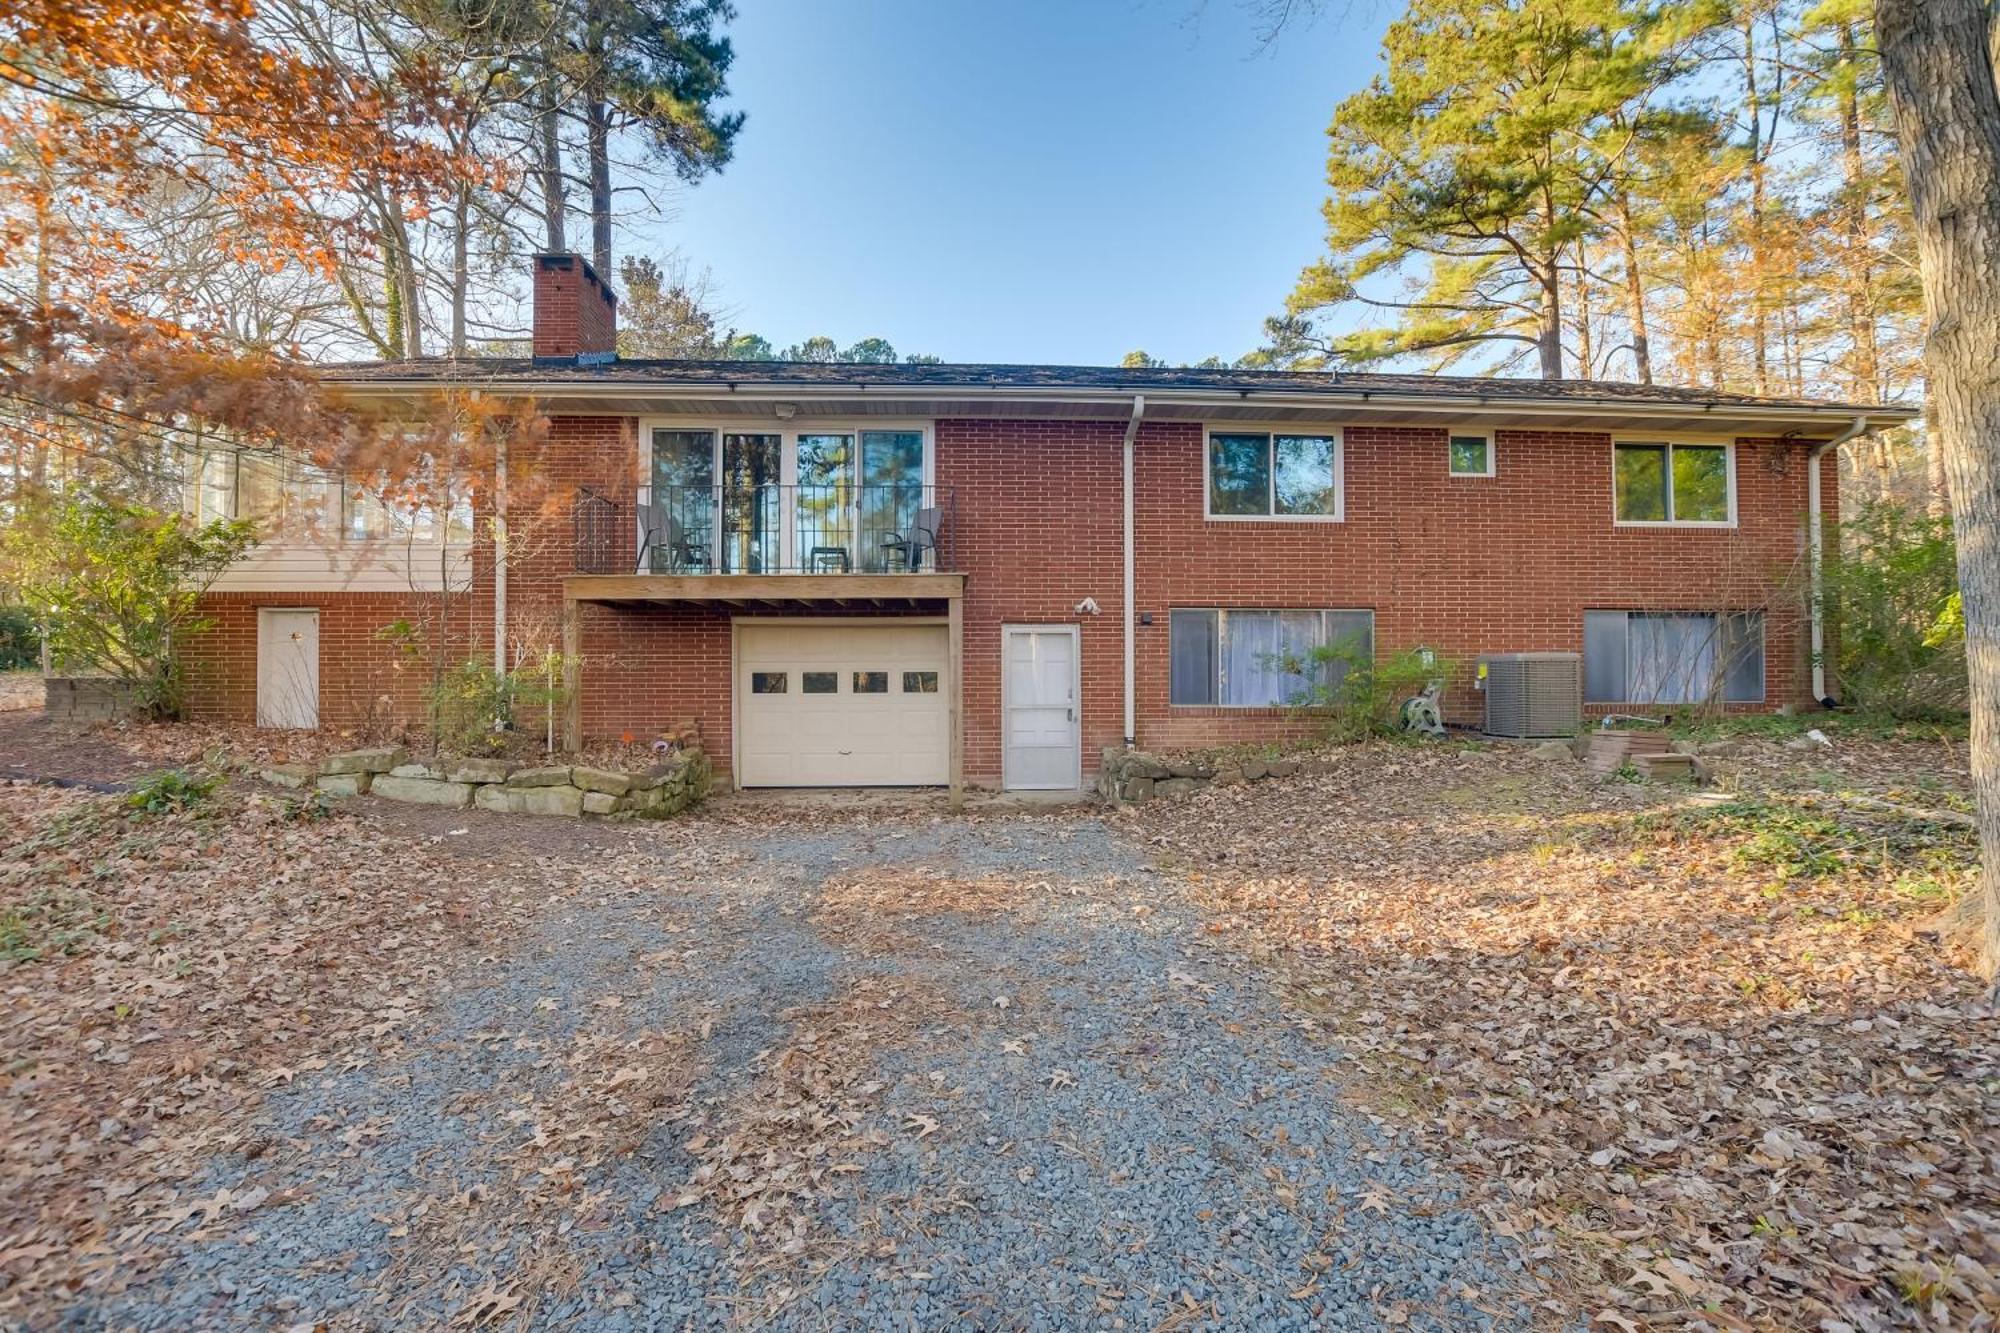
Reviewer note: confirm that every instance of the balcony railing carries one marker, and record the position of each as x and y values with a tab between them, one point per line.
892	529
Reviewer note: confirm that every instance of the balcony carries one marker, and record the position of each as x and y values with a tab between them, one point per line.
765	530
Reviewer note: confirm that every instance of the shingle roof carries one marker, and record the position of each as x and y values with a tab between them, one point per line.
628	374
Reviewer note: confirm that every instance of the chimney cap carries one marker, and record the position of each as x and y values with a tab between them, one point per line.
565	258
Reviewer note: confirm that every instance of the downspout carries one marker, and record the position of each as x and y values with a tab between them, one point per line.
1131	616
1816	553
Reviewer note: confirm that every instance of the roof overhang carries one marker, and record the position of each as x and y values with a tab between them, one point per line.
1334	405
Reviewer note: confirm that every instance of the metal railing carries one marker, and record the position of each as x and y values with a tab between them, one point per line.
836	529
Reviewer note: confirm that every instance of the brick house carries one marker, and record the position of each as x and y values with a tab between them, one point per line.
922	574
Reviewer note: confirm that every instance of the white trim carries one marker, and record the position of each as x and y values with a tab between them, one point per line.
1469	433
1075	633
1335	433
1729	467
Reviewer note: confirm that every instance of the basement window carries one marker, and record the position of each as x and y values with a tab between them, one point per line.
1648	658
1260	659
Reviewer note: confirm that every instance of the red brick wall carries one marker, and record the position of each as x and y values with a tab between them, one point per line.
364	683
574	311
1464	565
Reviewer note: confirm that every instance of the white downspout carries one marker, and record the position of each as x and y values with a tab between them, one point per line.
1131	615
1816	553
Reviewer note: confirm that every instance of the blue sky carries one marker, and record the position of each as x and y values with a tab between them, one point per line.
1034	181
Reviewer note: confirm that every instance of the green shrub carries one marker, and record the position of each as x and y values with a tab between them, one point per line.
20	640
117	584
472	705
1894	611
1365	696
171	791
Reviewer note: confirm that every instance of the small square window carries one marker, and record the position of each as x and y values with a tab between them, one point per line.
768	682
819	682
1471	456
871	682
920	682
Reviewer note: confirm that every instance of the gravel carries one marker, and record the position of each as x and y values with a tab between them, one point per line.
1128	1131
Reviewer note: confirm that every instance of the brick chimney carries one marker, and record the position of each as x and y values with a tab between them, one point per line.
576	315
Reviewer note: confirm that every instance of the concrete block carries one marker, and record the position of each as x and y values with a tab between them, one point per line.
422	791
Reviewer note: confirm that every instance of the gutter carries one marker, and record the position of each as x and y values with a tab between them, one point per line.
1131	616
1450	405
1816	554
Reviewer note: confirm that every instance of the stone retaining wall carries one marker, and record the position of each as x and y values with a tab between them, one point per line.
1134	775
659	792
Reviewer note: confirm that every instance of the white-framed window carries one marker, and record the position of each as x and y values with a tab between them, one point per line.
1666	483
1288	474
1257	658
1469	453
1651	658
748	497
294	499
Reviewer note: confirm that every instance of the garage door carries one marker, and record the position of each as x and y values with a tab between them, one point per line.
842	706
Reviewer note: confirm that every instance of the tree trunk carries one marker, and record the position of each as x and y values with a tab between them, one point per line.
597	138
555	200
1858	262
1635	292
1939	70
1759	262
461	268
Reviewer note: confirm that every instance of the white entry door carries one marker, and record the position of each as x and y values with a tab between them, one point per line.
1039	685
834	705
288	669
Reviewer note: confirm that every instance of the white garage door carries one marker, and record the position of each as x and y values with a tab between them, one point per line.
842	706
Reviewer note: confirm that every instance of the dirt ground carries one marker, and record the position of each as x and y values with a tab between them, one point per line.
1449	1036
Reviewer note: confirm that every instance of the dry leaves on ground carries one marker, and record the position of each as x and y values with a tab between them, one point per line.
159	971
812	1112
1729	1073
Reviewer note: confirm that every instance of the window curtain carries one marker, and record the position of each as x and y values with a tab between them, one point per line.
1257	649
1672	658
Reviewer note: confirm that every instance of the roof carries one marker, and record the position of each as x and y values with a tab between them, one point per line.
965	375
670	386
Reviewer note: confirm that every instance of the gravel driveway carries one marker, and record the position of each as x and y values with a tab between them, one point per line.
902	1072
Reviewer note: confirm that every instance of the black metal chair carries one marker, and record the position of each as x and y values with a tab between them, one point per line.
667	534
920	536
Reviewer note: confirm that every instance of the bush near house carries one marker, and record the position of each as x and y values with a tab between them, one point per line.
1892	603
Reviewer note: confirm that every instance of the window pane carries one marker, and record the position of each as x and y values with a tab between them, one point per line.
1191	648
1670	658
1641	482
367	515
1604	657
825	501
260	489
767	682
312	501
892	491
819	682
215	492
920	682
1701	483
1239	474
871	682
1351	634
682	460
1305	482
681	525
1469	455
750	499
1743	658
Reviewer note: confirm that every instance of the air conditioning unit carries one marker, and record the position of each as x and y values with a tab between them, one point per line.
1533	694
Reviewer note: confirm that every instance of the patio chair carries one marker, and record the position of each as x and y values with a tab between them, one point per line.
921	535
667	534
